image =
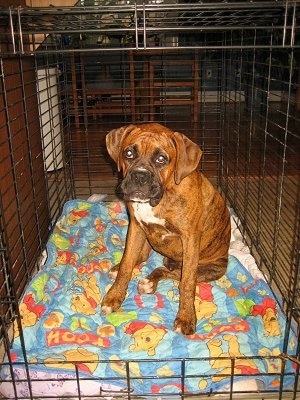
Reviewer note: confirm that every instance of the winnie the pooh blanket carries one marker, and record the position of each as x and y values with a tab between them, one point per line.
239	332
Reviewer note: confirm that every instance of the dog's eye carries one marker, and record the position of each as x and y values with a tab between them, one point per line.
161	159
129	154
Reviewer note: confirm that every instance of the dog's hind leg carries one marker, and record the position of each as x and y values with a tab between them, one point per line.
212	271
149	284
172	270
172	264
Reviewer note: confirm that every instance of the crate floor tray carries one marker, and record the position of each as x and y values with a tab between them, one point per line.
65	337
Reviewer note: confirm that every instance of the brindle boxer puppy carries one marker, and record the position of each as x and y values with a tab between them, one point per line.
173	209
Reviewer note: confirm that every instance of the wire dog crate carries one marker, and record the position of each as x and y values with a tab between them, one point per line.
226	74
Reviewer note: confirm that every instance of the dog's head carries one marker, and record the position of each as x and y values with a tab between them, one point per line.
151	157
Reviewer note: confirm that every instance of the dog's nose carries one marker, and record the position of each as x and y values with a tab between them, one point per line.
140	177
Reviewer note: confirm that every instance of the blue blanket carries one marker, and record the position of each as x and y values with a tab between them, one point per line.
240	328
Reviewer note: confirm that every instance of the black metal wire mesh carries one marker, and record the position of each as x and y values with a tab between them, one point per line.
243	60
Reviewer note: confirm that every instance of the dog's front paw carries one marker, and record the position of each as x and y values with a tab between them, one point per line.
111	302
145	286
107	307
106	310
185	325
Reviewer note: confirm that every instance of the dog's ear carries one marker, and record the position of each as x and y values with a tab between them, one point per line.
187	157
114	141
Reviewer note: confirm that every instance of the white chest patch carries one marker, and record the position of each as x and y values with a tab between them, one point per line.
143	212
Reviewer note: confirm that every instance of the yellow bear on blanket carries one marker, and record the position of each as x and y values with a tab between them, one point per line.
222	360
30	310
86	360
146	336
86	302
29	318
204	301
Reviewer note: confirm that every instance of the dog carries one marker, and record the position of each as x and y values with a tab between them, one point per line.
173	209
